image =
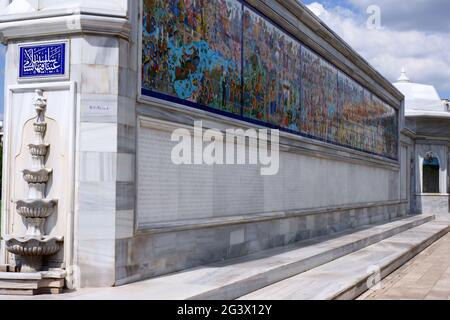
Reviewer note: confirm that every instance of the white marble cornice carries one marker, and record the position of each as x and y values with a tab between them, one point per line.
102	7
61	22
21	19
427	114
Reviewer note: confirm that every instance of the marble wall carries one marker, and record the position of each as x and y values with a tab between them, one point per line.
186	217
168	192
120	232
433	204
155	252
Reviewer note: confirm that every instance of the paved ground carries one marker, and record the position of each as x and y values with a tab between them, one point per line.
427	276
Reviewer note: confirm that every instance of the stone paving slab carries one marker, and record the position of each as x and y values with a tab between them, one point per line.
234	278
425	277
346	277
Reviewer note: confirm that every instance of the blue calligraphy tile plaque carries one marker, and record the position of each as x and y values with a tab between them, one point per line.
46	60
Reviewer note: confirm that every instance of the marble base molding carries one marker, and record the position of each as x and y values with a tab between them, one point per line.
26	284
148	255
438	204
175	226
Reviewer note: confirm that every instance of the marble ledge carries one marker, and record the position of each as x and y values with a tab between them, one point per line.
53	274
192	224
61	22
432	194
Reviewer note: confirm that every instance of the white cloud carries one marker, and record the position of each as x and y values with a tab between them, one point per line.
429	15
425	55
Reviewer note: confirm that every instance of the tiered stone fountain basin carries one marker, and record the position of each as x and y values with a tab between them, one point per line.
35	212
45	246
38	150
31	248
37	176
36	208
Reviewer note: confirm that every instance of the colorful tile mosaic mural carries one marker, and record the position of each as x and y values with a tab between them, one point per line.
192	50
351	112
222	55
271	73
366	122
319	97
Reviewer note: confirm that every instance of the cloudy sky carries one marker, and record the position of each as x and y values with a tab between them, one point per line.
413	33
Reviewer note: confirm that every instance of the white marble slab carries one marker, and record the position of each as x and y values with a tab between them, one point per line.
98	137
341	278
124	224
234	278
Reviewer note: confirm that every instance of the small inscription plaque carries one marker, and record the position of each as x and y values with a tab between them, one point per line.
43	60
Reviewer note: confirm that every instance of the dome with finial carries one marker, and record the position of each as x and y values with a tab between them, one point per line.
419	98
403	77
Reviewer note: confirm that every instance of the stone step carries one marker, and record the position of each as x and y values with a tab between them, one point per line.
16	283
234	278
350	276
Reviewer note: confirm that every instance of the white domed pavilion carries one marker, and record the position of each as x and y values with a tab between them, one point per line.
420	99
427	122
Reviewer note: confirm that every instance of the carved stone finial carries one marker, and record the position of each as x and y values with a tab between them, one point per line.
403	76
40	103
